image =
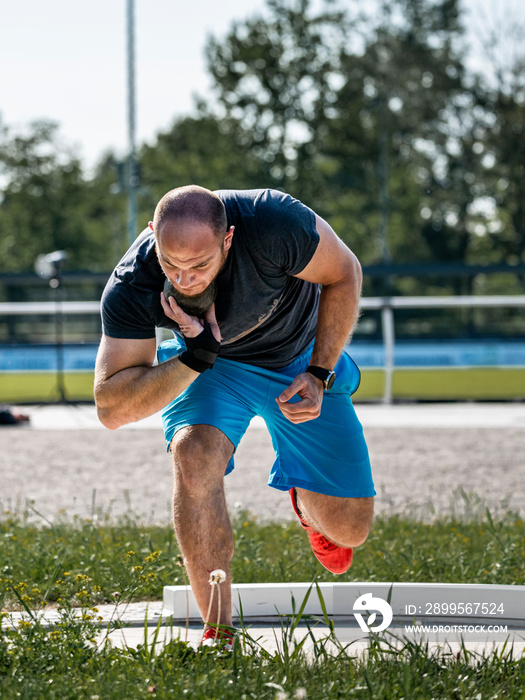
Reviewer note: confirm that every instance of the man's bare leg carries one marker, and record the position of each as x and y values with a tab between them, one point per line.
202	524
344	521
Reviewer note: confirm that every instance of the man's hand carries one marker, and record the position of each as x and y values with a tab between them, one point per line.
203	337
310	390
190	326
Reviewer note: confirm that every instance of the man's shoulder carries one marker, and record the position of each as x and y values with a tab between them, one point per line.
137	277
131	299
239	204
254	199
265	210
139	260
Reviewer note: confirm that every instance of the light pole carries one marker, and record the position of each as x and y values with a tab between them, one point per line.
133	179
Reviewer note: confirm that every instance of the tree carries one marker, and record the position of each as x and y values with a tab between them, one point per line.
503	146
400	90
349	110
276	77
200	149
47	203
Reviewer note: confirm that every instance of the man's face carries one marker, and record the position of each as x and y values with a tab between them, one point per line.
191	256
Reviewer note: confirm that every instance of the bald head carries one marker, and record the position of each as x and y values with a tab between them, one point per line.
191	205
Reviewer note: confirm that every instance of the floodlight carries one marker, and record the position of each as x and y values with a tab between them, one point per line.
48	266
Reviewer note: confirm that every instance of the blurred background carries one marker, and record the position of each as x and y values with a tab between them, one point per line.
401	122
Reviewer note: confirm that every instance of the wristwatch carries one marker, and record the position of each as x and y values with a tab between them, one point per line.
327	376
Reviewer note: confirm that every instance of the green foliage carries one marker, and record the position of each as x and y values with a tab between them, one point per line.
48	204
72	658
120	557
503	154
128	556
275	76
344	135
203	150
379	127
372	120
65	663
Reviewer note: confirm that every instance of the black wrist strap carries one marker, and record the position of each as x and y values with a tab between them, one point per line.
201	351
319	372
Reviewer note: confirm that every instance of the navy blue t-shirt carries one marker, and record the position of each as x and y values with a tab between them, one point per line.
266	315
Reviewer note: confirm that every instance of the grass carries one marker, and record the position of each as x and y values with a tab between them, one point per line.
65	664
81	563
27	387
127	555
427	383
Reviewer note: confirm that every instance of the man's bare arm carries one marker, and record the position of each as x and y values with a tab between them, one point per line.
127	385
337	269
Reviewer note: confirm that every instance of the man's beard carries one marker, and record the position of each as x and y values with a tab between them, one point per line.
196	304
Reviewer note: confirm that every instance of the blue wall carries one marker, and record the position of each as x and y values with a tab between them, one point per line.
16	358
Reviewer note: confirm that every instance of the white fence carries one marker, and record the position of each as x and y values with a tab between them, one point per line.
48	308
387	306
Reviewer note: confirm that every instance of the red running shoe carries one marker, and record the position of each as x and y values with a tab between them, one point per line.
222	639
334	558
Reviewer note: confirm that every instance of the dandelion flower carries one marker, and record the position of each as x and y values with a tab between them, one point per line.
217	576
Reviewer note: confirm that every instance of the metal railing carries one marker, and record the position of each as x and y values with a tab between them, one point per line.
44	308
387	306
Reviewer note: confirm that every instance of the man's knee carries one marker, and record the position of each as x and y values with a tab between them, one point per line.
345	521
358	528
200	455
352	527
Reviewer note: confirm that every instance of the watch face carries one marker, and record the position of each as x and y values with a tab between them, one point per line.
330	381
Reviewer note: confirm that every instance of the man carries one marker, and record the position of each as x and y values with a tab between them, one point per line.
262	296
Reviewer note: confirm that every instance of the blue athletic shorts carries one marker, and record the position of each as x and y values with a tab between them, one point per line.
327	455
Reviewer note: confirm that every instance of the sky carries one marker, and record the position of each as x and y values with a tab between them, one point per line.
66	61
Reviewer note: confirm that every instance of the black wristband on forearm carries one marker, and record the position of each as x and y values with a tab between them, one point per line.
201	351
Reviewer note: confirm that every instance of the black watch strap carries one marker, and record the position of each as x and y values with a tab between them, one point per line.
327	376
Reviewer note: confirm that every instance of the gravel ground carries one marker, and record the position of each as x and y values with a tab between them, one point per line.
417	470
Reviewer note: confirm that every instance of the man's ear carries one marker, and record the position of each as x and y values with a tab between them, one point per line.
228	238
157	253
150	224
